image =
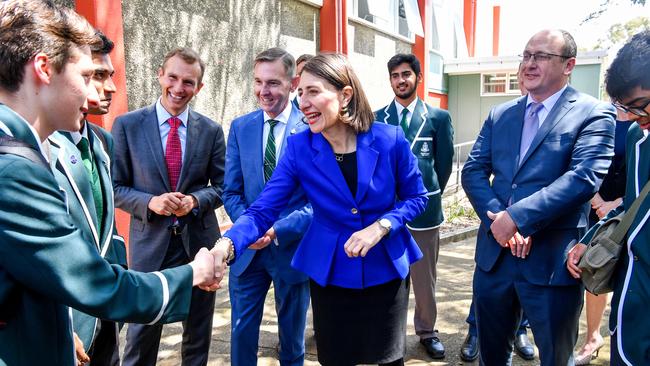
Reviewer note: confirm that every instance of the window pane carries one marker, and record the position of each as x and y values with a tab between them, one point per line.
494	83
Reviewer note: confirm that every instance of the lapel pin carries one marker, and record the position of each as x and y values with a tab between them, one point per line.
293	131
73	159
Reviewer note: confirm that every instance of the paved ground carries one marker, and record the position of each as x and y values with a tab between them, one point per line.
456	265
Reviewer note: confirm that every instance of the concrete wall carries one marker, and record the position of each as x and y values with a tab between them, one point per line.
67	3
227	33
369	51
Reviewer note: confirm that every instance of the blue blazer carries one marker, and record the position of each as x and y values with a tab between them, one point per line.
389	186
631	290
550	190
244	182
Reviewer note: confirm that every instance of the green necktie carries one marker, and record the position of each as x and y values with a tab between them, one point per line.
269	153
95	184
403	123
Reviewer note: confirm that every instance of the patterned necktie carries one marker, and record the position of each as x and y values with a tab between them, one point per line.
402	122
269	152
531	125
95	184
173	153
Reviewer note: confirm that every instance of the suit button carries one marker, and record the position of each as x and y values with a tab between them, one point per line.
636	259
354	211
514	186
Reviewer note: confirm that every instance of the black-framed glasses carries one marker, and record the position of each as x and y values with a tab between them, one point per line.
637	110
540	56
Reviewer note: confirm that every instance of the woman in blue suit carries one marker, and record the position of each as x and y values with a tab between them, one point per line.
364	185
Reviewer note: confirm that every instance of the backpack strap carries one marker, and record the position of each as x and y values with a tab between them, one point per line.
10	145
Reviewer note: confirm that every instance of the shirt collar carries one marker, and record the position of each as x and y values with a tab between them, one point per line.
76	136
410	107
282	117
163	115
549	102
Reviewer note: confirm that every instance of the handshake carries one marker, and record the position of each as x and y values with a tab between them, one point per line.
209	266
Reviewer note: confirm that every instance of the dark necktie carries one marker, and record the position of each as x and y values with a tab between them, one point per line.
531	125
95	184
402	122
173	153
269	154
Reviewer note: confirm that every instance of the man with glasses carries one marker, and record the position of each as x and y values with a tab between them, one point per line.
547	153
628	84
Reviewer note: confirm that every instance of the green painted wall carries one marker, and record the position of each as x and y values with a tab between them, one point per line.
586	78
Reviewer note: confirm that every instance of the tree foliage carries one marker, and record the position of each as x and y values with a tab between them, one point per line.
621	32
604	6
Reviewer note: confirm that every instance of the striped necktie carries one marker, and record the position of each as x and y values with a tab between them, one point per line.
269	153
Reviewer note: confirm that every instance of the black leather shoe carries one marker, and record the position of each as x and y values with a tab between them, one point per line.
434	347
524	348
469	348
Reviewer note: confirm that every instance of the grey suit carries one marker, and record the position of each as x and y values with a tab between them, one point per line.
140	173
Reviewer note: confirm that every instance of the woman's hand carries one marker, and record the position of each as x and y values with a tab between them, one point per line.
361	241
573	258
82	357
607	206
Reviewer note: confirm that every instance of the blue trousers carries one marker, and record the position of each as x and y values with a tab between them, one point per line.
247	294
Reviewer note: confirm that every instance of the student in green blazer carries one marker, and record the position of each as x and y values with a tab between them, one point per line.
46	265
628	84
431	135
81	164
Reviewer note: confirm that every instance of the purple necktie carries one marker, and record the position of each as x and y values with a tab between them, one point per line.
531	125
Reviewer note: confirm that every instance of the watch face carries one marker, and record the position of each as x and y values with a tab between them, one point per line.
385	223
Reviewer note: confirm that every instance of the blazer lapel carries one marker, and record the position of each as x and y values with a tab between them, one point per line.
325	162
294	125
390	114
191	137
103	166
513	132
69	163
155	144
417	122
366	162
562	106
252	155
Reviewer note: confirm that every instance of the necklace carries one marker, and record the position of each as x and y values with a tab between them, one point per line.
339	157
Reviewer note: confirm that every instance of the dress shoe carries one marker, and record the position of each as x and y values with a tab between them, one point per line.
469	348
524	348
434	347
586	359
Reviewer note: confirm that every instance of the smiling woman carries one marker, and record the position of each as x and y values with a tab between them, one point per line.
364	186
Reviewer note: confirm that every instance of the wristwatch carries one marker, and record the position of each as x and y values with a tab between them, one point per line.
385	225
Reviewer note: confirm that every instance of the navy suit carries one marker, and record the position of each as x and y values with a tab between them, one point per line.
547	196
140	173
253	272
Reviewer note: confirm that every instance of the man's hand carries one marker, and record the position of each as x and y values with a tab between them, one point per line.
206	274
166	203
502	228
573	258
520	246
596	201
265	240
188	203
607	206
363	240
82	357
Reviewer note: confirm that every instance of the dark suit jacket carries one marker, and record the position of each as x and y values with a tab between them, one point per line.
432	142
140	172
550	190
389	186
245	181
46	266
